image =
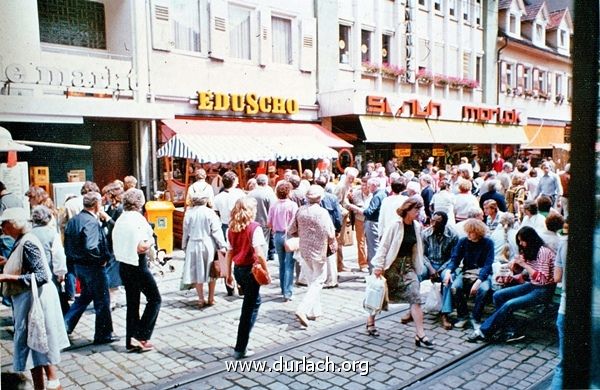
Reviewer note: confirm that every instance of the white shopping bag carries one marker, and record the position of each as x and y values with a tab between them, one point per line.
375	293
433	303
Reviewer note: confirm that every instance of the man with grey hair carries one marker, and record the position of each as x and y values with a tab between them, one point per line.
371	213
86	247
265	197
505	177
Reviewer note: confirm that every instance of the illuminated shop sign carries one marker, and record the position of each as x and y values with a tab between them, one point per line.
413	108
249	103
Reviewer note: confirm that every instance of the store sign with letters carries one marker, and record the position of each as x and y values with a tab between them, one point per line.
249	103
411	107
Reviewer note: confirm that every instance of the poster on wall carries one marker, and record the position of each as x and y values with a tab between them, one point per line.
16	179
402	150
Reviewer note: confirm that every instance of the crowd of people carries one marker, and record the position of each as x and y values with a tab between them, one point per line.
99	239
492	235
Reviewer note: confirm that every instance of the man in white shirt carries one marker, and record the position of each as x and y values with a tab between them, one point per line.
389	205
225	200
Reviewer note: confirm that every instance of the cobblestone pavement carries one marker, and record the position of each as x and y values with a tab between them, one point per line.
194	347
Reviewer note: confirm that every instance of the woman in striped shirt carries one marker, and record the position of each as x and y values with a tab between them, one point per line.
538	261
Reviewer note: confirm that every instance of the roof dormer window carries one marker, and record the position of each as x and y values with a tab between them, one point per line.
512	26
540	33
562	38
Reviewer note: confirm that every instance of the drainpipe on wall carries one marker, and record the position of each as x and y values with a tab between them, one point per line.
498	84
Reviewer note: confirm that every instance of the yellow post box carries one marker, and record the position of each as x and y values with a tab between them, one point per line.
160	213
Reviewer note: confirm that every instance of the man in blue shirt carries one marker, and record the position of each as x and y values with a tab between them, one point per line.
87	247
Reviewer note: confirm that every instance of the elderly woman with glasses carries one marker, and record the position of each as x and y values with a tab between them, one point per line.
132	239
26	265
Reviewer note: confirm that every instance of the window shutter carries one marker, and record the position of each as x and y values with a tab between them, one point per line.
503	75
466	65
520	75
308	50
548	82
161	25
266	43
535	85
219	38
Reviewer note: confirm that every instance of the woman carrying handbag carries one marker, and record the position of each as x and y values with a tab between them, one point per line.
247	244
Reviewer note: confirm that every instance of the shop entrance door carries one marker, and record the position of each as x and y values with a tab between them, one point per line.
112	160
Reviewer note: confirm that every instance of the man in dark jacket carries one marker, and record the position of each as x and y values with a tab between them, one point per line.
87	247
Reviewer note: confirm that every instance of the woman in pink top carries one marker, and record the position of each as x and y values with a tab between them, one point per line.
281	214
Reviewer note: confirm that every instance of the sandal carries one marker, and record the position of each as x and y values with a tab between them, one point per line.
202	304
372	330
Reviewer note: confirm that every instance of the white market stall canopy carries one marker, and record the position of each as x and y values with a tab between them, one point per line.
213	141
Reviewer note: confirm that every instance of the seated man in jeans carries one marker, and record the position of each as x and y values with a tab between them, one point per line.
438	242
476	253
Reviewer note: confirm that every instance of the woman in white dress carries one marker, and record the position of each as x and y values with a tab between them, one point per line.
202	236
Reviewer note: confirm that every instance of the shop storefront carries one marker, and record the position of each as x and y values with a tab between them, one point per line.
243	132
414	128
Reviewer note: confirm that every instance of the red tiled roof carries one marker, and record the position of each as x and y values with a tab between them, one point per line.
555	19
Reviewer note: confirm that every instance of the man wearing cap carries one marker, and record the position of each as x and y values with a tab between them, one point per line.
314	227
86	247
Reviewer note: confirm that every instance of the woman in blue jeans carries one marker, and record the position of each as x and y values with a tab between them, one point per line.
538	261
281	214
246	241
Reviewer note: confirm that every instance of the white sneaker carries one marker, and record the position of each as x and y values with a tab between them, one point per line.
460	323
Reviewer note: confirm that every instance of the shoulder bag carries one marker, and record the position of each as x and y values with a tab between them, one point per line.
260	271
37	338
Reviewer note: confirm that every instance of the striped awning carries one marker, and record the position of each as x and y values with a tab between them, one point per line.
234	140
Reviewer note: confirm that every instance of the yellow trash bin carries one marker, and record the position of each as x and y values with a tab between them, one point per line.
160	213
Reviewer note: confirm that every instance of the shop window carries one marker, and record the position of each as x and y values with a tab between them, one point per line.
385	48
73	23
282	40
239	32
186	25
366	38
344	44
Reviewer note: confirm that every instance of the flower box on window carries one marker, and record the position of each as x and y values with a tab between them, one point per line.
470	83
455	82
424	77
440	80
392	71
369	67
559	99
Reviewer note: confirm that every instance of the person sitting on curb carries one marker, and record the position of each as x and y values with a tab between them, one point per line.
476	251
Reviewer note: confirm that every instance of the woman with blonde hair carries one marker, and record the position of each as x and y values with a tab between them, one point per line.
400	258
247	241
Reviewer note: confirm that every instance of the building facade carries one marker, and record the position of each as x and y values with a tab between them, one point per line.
536	69
413	78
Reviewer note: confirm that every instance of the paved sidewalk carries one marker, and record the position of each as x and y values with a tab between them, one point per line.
195	345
